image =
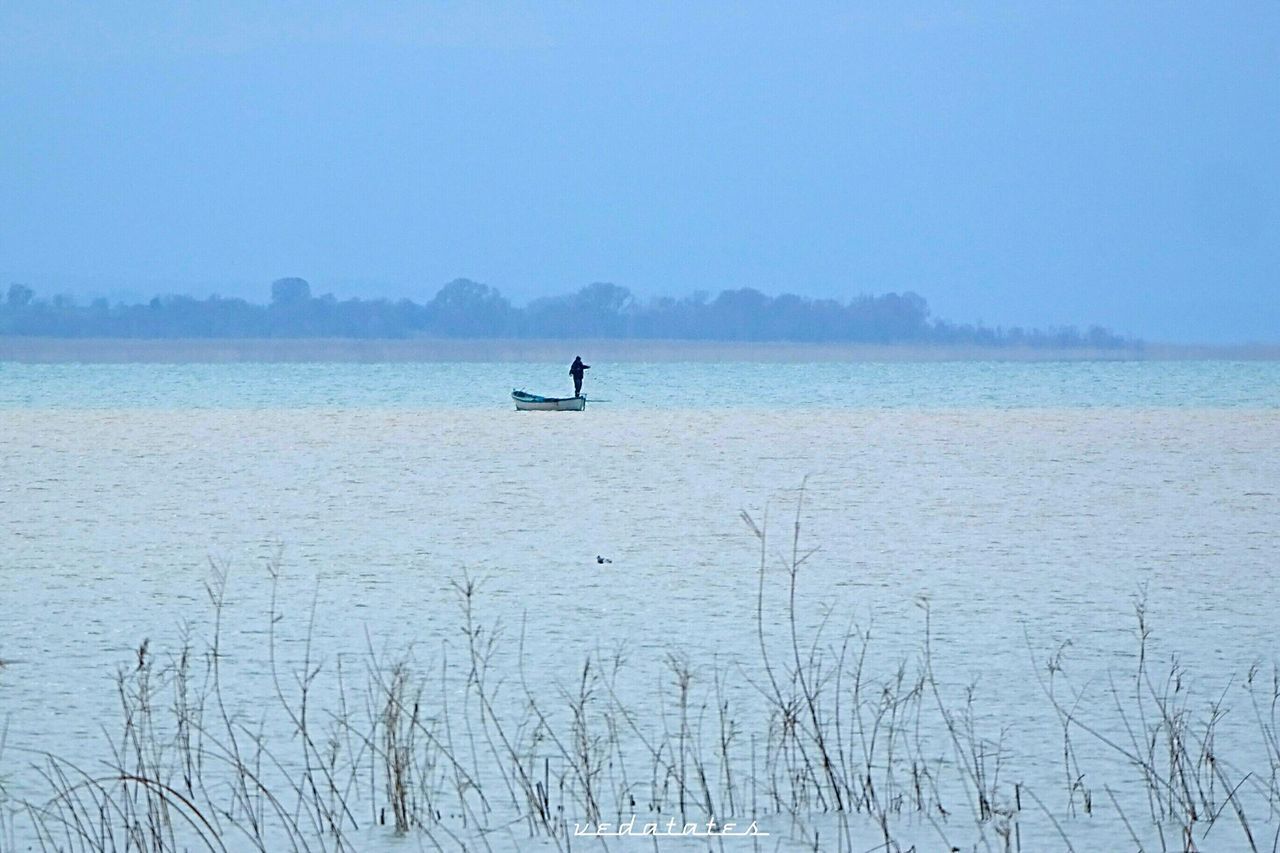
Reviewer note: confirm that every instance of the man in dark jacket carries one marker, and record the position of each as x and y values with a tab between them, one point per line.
575	370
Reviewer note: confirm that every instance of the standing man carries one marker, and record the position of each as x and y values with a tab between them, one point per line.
575	370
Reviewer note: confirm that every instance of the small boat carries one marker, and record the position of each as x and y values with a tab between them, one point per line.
526	402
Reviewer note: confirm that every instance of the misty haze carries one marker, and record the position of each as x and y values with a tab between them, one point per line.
720	427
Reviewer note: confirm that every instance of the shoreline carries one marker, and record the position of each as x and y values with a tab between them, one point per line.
30	350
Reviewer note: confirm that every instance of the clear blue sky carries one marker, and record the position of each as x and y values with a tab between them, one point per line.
1015	163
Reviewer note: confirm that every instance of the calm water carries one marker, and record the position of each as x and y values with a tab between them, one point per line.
1028	503
695	385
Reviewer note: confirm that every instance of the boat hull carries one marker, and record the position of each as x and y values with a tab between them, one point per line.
535	403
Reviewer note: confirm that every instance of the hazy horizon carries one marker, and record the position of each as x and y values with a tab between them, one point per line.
1014	164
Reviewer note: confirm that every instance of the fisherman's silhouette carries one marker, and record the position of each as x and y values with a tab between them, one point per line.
575	370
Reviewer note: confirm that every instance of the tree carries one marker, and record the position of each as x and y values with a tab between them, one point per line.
20	295
599	309
466	308
290	291
739	315
604	299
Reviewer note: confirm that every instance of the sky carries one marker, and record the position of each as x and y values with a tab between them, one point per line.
1015	163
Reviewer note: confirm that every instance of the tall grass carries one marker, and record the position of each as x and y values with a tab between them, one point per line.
465	753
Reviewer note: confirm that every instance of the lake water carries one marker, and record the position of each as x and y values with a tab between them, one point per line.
1028	504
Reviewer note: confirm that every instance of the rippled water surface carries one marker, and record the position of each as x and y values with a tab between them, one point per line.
1028	504
668	385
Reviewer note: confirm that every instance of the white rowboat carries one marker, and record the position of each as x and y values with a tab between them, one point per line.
526	402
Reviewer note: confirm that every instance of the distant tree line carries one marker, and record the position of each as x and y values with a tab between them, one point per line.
468	309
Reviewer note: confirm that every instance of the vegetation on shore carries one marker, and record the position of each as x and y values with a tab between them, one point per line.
468	755
468	309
